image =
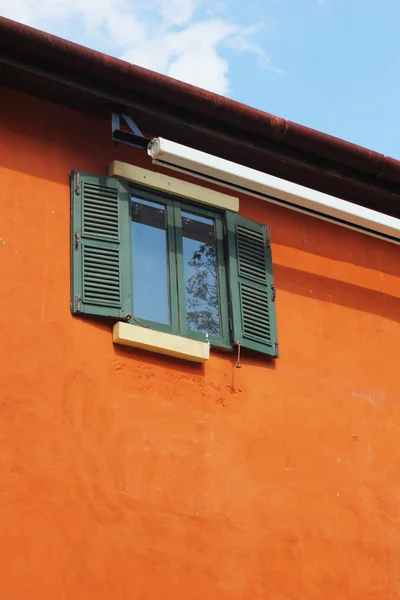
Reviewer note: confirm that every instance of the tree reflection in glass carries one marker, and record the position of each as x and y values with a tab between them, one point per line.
201	276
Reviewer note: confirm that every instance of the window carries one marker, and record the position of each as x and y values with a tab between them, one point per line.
178	277
171	265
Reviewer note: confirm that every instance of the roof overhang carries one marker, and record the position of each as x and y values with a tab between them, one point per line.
50	67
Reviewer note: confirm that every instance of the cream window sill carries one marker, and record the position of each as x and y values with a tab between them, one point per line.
173	185
163	343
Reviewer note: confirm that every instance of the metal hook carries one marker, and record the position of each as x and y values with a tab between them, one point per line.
238	365
129	317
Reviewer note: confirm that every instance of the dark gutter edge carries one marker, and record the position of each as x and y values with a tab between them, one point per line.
16	36
92	96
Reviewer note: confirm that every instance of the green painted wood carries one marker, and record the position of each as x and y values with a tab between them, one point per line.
251	285
100	246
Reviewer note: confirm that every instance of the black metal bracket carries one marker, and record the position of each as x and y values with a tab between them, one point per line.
134	137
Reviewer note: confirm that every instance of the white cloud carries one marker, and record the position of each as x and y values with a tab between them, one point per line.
168	36
177	12
196	59
190	54
241	44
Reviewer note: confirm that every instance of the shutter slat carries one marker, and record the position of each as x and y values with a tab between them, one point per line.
91	275
93	202
100	211
251	284
102	217
256	318
100	260
251	253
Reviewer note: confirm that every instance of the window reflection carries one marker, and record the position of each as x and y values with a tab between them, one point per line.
201	276
150	261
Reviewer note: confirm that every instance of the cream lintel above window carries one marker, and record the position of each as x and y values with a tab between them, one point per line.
173	185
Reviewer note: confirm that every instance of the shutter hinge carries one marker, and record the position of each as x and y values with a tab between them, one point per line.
273	288
276	350
76	236
77	184
78	303
268	240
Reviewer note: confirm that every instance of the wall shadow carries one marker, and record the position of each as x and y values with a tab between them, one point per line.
314	236
326	289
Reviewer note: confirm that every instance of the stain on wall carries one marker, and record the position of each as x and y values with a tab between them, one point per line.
128	475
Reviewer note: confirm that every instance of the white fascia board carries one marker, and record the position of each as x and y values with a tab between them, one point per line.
273	189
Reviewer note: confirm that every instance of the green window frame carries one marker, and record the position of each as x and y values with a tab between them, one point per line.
101	263
222	340
174	209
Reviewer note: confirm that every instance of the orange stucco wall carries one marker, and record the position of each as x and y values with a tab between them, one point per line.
126	475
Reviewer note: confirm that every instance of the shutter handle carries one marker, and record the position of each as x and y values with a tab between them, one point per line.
238	365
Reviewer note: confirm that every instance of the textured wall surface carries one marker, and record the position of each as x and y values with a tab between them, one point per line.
126	475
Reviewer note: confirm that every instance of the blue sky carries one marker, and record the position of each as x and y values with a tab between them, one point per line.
333	65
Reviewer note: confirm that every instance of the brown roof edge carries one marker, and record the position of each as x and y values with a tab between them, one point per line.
283	133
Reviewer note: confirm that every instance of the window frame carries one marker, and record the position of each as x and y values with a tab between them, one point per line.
177	298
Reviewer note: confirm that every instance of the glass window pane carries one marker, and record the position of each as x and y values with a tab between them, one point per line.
150	261
201	275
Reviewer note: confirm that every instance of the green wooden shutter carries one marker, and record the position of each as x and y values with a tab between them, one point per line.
252	291
101	254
